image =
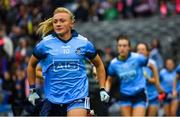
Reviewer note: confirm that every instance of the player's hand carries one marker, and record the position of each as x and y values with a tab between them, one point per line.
174	94
160	90
146	75
33	96
162	96
104	95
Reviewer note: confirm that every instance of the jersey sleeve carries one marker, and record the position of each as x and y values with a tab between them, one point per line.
143	60
39	51
150	61
111	71
90	51
161	75
178	70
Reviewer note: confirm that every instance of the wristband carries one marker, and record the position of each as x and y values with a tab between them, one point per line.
32	86
102	89
32	89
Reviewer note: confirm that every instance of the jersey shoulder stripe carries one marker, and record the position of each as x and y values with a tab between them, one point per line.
48	37
133	54
82	37
163	71
113	60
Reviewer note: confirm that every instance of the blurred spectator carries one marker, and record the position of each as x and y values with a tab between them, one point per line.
153	4
6	51
111	12
82	11
128	10
46	8
23	50
6	43
8	87
177	6
120	6
96	12
19	92
146	7
163	8
57	3
15	34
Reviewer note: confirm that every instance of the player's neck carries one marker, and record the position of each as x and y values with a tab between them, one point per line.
66	36
120	57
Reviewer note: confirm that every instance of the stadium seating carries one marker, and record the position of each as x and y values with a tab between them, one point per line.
139	29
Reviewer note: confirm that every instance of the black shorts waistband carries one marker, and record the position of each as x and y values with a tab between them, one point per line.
140	96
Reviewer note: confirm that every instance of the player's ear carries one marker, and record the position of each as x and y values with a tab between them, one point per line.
72	24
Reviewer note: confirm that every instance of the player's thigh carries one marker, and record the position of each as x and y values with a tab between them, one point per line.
139	107
139	111
125	107
78	107
152	110
77	112
166	108
174	107
153	106
125	110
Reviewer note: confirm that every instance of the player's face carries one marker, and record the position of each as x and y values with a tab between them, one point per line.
141	49
123	47
169	64
1	33
62	23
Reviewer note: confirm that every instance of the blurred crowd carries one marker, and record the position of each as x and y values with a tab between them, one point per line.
19	20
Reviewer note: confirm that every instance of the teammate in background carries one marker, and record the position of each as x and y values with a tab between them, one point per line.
127	67
152	80
176	85
167	76
155	54
61	53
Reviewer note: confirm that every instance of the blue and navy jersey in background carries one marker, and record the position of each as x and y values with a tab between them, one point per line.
178	83
152	92
63	67
167	79
129	72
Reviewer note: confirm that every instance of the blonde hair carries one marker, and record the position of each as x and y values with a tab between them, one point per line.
46	26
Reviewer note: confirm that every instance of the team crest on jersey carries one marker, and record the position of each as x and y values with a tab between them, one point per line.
79	51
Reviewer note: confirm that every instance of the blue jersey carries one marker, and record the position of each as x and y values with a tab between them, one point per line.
178	83
63	67
150	88
167	79
129	72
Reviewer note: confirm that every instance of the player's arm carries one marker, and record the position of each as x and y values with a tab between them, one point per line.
155	74
39	72
155	78
101	75
31	73
175	85
108	83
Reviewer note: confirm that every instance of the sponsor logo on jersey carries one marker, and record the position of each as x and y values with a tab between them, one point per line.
67	65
